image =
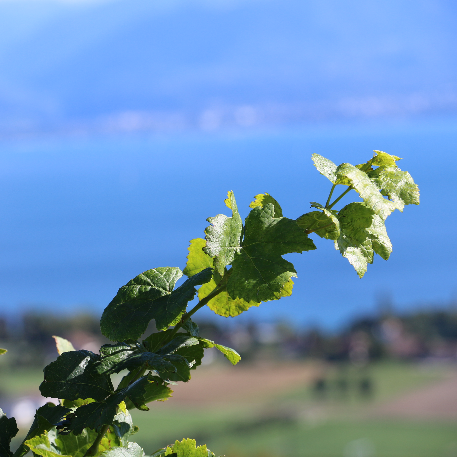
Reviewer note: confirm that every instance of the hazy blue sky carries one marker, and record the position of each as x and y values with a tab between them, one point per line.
123	124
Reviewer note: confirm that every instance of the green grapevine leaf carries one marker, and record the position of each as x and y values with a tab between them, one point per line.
113	356
395	184
324	223
229	353
149	296
325	167
222	304
73	376
198	259
152	390
185	353
8	430
363	233
187	448
259	273
132	450
223	236
262	199
46	417
45	445
191	327
382	159
367	189
63	345
180	341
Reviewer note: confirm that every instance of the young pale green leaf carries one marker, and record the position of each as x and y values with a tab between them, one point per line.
146	297
325	167
187	448
363	233
75	445
262	199
324	223
397	185
73	376
3	351
132	450
197	260
223	236
259	273
45	445
229	353
222	304
63	345
366	188
8	430
382	159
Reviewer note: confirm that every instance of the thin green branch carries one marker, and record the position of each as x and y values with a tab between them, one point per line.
340	197
93	450
330	195
199	305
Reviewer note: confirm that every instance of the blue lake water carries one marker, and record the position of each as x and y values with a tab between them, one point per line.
82	216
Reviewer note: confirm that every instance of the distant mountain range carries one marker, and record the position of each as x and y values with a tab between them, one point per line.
178	64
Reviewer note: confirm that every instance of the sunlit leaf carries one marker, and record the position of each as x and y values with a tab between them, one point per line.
73	376
223	236
149	296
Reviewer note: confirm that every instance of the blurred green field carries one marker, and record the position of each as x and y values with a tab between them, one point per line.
295	422
295	419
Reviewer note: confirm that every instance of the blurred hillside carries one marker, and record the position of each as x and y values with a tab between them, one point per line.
167	65
421	335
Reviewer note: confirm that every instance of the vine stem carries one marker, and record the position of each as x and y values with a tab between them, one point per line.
330	195
94	448
339	198
199	305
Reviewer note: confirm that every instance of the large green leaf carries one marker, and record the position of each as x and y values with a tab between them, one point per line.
363	233
149	296
73	376
8	430
223	236
113	356
324	223
259	273
132	450
185	353
222	304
